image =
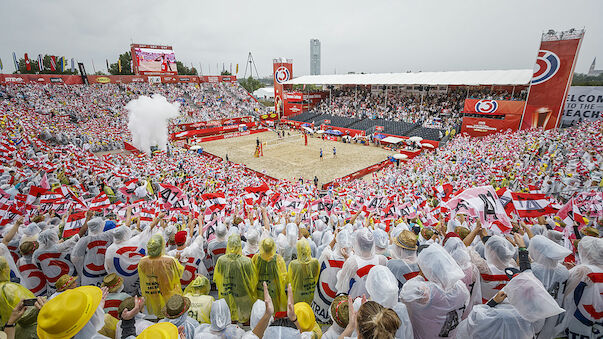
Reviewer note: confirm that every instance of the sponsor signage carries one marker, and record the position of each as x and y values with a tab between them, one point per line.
583	103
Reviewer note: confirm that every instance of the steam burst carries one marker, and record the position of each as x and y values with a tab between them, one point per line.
148	121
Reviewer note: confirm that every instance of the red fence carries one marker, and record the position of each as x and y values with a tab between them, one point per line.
209	131
233	135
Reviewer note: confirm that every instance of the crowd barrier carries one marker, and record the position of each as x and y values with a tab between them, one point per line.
233	135
106	79
210	131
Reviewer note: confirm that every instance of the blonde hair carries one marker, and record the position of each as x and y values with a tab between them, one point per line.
377	322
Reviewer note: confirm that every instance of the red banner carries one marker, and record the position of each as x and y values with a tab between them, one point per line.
496	107
358	174
479	127
233	135
209	131
551	80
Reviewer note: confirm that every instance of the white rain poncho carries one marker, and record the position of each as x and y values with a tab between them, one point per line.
460	253
330	263
381	241
352	276
503	321
252	244
583	299
435	306
382	288
88	255
499	252
281	332
52	257
529	297
124	254
221	326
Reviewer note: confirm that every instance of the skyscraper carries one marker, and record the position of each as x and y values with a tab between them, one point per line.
314	57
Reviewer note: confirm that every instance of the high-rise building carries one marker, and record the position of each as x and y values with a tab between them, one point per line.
314	57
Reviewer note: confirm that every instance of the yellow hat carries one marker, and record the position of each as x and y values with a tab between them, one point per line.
305	316
160	331
66	314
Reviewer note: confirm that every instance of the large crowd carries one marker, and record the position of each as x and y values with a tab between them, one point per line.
440	109
495	237
94	117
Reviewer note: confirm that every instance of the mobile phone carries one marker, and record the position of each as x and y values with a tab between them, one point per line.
29	302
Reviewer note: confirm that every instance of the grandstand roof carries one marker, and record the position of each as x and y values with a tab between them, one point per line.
505	77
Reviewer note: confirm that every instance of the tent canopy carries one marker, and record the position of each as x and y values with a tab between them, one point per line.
472	78
392	140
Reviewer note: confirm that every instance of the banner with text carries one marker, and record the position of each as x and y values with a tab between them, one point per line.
583	103
551	79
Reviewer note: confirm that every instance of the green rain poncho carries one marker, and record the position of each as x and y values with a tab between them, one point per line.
236	280
271	268
303	273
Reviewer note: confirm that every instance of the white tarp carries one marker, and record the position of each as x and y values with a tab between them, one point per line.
502	77
391	140
264	93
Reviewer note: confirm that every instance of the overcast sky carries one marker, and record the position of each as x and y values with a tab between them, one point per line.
358	36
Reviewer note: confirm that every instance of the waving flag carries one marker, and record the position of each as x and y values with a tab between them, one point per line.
506	199
214	201
532	204
74	223
173	197
100	202
40	63
15	61
27	63
482	202
53	63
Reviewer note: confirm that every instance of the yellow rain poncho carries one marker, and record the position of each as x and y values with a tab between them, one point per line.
303	273
197	292
271	268
236	280
10	293
159	276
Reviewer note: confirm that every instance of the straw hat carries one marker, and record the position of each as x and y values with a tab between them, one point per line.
66	314
65	282
128	304
407	240
339	310
113	282
176	306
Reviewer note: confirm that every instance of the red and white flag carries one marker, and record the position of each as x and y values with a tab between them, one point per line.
99	202
214	201
74	223
532	204
482	202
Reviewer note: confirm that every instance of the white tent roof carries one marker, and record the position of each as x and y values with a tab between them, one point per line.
264	92
391	140
508	77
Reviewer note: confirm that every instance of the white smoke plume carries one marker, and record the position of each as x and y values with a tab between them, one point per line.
148	121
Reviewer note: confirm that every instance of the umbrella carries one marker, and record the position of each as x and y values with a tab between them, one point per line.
308	129
379	136
320	131
428	145
195	147
415	138
400	156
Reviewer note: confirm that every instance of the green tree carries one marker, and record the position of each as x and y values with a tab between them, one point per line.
251	84
126	69
587	80
183	70
225	72
46	63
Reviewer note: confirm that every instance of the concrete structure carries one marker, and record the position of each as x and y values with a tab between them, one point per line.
314	57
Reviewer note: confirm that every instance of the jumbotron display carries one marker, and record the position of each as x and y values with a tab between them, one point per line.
153	59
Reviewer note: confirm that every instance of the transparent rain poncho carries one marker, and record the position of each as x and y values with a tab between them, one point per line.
271	269
499	252
529	297
485	322
221	326
381	241
303	273
364	244
236	280
439	267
